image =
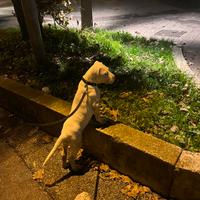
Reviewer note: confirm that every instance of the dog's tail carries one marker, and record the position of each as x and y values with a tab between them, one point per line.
56	145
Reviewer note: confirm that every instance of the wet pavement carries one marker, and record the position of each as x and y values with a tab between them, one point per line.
23	149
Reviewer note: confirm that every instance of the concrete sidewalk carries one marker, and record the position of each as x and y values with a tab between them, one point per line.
23	148
15	178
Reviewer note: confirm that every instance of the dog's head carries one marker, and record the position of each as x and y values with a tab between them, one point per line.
99	73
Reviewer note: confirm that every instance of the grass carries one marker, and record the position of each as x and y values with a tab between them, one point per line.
150	93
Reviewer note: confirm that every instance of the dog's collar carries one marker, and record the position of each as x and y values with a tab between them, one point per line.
88	83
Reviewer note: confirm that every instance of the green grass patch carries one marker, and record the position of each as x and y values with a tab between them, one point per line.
150	93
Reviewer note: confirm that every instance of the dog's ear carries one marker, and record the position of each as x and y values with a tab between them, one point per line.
102	71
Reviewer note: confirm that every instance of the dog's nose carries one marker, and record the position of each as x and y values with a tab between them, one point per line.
113	79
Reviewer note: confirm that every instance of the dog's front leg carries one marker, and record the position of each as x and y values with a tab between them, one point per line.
96	110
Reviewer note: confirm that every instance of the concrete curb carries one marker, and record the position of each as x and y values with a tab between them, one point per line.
164	167
181	63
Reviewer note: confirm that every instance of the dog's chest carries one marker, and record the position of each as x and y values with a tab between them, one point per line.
94	94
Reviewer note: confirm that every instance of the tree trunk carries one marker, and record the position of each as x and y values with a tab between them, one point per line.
32	22
20	18
86	13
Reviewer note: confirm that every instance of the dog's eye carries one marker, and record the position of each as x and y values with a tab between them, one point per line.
106	74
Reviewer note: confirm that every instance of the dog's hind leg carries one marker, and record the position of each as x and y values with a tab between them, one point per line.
75	146
65	162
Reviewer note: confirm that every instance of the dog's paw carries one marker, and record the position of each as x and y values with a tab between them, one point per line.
101	120
77	169
66	165
104	123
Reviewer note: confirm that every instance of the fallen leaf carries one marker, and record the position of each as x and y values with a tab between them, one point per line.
11	115
104	168
5	76
135	190
46	138
184	109
126	189
124	95
113	175
34	164
155	197
49	182
145	99
193	124
174	85
7	130
46	90
144	189
126	179
38	175
161	61
174	128
185	88
114	114
33	131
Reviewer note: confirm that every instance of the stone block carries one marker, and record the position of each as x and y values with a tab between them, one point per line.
143	157
186	184
33	105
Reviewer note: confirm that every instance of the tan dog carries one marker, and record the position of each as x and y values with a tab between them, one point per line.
71	134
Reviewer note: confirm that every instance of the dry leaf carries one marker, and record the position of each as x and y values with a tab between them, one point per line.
46	138
174	128
49	182
135	190
125	179
185	88
46	90
38	175
124	95
34	164
155	197
113	175
33	131
11	115
104	168
7	130
145	99
126	189
193	124
144	189
183	107
114	114
131	190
